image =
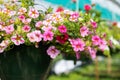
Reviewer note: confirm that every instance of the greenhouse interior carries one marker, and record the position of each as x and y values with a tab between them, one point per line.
59	39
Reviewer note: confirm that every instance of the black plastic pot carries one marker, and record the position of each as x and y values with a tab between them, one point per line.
24	63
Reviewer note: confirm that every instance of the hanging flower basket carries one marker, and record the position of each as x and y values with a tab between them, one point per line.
24	63
36	37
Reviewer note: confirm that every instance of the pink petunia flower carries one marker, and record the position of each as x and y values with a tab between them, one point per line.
6	11
77	44
31	37
35	36
21	17
48	35
38	24
102	45
57	19
47	28
74	17
94	24
22	10
92	52
38	36
17	39
5	42
47	22
9	29
12	13
62	29
26	28
3	45
52	52
96	40
84	31
33	13
26	21
87	7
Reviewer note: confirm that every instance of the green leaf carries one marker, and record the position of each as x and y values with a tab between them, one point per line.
106	53
49	10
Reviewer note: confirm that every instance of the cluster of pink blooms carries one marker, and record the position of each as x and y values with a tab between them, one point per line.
52	28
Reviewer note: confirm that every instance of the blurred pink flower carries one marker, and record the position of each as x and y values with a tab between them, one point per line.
77	44
33	13
94	24
38	24
84	31
17	39
102	45
96	40
62	29
22	10
48	35
9	29
26	21
35	36
31	37
92	52
26	28
87	7
12	13
3	45
48	28
38	36
47	22
6	11
74	17
21	17
52	52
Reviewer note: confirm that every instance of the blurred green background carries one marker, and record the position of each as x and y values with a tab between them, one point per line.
106	71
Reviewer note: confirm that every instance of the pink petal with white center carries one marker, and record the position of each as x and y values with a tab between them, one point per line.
9	29
38	35
47	28
102	44
31	37
17	39
52	52
38	24
22	10
77	44
33	13
84	31
26	21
